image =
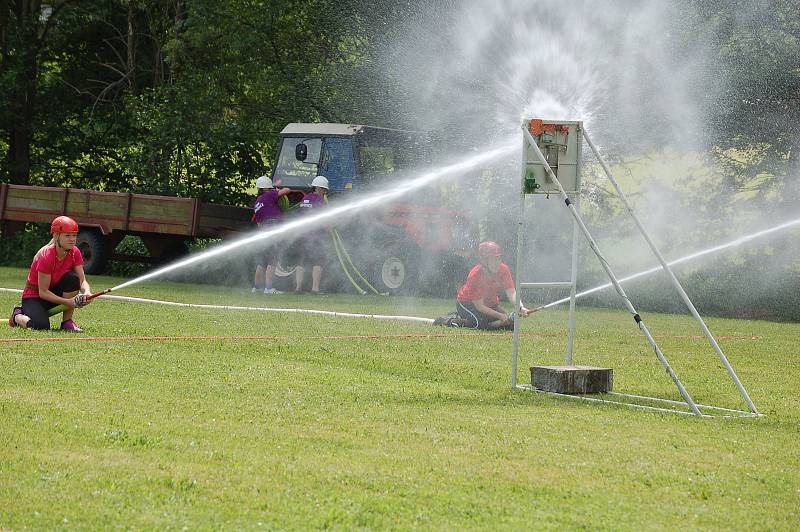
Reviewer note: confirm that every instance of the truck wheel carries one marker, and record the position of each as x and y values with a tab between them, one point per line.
96	250
395	272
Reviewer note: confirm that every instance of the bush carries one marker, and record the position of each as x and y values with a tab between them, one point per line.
19	248
129	245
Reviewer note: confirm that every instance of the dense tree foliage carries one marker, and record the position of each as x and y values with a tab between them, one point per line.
755	82
177	96
186	96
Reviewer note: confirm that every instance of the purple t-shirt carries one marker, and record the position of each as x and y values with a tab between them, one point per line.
266	207
311	202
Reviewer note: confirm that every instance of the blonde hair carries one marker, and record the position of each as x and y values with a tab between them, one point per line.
42	249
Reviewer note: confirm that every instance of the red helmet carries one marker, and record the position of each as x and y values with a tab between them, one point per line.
489	249
63	224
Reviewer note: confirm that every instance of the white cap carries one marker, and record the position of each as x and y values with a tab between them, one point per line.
264	182
320	181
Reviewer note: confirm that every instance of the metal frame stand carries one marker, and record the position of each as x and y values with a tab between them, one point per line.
578	225
571	284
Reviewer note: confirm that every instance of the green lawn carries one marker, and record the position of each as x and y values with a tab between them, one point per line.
396	430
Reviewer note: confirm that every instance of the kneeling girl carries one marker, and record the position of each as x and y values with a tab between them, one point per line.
56	278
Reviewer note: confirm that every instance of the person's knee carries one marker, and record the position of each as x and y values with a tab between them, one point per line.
36	311
70	282
39	323
487	322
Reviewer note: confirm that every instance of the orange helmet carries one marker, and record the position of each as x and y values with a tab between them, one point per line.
63	224
489	249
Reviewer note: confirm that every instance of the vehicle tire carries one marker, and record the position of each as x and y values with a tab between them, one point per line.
395	271
96	250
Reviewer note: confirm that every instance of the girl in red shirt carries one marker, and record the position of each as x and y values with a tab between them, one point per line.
478	301
56	278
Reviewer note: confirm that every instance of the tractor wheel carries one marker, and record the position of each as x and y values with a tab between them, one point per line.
96	250
395	272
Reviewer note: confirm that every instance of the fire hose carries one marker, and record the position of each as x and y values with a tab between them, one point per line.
345	260
86	298
329	313
344	267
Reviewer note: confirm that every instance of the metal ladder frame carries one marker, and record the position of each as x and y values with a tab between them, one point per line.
578	225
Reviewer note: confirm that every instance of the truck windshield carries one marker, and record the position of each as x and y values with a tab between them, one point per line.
289	172
338	164
386	155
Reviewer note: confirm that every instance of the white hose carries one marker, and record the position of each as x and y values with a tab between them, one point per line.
260	309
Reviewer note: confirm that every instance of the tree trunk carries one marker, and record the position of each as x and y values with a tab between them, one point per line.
22	104
131	44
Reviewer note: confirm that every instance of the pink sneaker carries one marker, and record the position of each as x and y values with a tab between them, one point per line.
14	313
70	326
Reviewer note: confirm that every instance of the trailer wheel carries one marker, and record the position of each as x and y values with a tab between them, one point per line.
395	271
96	250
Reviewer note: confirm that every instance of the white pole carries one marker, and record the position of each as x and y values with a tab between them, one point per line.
574	274
610	273
518	273
572	293
672	277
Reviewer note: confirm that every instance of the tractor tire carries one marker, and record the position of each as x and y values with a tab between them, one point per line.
395	271
96	250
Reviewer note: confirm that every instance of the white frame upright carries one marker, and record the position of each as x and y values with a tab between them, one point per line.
572	283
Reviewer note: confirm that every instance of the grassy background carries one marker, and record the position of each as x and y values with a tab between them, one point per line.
309	431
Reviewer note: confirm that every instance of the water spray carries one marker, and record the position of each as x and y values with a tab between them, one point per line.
733	243
364	203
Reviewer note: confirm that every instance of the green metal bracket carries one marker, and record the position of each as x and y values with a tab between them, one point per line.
529	184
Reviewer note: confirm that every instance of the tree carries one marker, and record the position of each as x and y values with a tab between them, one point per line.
24	29
754	84
177	97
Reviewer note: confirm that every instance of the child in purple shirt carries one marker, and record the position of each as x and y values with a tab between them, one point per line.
266	212
311	245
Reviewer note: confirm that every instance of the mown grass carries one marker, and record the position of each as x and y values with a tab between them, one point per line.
311	431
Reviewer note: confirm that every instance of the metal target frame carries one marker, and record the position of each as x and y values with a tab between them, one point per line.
549	144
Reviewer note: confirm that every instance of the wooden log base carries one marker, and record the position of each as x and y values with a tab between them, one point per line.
572	379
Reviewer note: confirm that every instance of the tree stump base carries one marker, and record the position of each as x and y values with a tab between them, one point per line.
572	379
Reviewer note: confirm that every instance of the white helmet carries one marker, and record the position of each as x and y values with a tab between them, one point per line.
264	182
320	181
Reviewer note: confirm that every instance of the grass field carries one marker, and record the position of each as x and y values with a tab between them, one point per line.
318	428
